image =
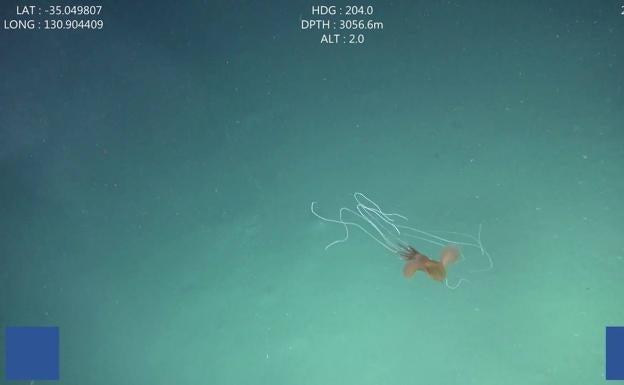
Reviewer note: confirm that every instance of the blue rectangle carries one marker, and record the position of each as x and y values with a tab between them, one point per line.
615	353
32	353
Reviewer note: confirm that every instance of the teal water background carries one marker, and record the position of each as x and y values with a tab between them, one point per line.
156	179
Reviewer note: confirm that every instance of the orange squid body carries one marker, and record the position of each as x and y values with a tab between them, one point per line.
435	269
